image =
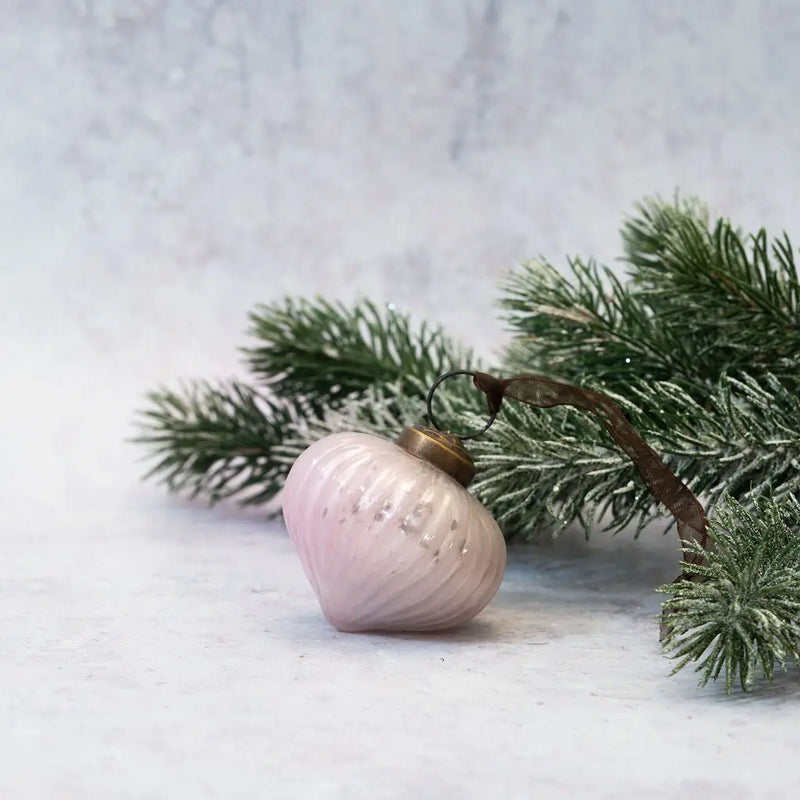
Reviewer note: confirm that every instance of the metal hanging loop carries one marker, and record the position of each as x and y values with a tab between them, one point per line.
429	400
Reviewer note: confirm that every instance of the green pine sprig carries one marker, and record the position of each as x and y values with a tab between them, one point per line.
738	294
217	441
739	612
587	328
325	352
699	302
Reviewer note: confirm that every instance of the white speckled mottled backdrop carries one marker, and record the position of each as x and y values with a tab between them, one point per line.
164	165
402	150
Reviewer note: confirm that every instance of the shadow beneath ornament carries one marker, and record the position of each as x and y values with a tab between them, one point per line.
606	564
569	586
479	629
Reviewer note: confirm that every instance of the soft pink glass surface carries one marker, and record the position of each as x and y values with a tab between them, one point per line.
389	542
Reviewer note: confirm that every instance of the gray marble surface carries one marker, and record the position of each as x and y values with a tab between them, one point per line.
166	165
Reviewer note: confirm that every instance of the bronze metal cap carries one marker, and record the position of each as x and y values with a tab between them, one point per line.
440	449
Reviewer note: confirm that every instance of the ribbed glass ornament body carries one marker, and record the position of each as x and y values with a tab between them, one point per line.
388	541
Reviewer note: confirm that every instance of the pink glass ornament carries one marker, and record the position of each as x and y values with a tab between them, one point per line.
389	541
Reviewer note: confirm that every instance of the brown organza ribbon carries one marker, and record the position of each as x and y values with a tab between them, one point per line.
661	481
